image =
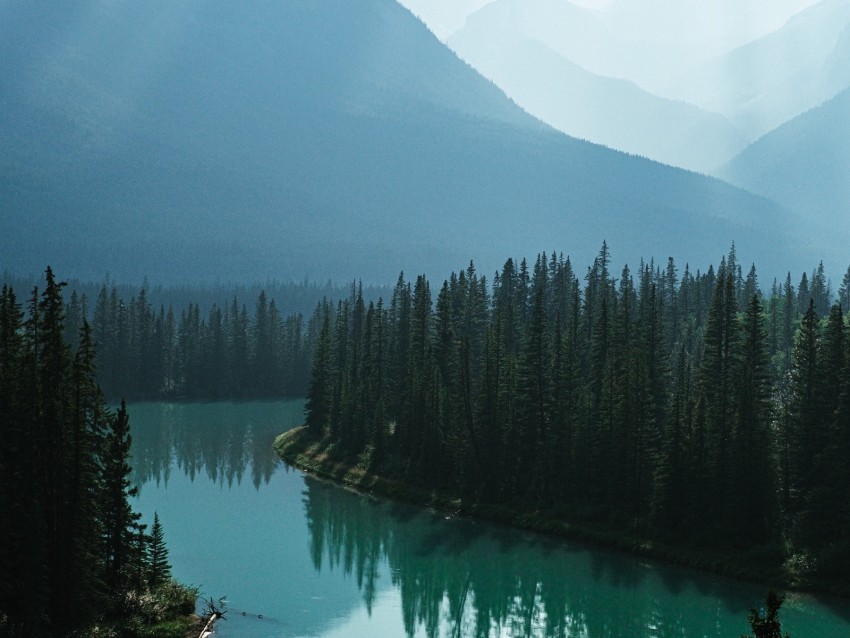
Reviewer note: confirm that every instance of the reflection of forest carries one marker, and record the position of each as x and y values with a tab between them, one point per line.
224	440
459	578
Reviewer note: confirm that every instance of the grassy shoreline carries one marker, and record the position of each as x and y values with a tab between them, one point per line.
762	566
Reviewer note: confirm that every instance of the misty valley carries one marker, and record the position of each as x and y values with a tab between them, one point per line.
690	418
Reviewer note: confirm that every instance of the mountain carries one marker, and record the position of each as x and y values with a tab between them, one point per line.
767	82
228	141
576	33
501	42
803	164
647	42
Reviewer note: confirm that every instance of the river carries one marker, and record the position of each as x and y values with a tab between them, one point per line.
294	556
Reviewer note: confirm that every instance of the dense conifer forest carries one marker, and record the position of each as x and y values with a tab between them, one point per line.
230	352
75	558
199	342
680	406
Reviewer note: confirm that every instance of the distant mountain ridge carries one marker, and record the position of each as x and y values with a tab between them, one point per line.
803	164
765	83
615	112
323	138
684	82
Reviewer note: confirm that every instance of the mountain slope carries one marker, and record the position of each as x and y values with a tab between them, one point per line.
803	164
608	111
326	138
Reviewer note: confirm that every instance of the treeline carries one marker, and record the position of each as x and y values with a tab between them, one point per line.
227	352
199	342
690	408
293	296
73	554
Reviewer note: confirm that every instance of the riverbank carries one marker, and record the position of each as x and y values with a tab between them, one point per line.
765	566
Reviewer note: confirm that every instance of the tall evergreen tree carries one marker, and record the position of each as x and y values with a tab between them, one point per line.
320	390
120	523
752	509
159	570
844	292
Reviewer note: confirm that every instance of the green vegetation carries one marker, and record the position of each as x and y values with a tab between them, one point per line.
694	413
74	557
767	625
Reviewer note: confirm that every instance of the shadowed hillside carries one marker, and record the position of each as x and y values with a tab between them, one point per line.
327	139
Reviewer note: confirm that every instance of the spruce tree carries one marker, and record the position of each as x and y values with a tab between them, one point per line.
159	570
119	520
670	497
23	547
534	395
320	390
751	508
844	292
716	391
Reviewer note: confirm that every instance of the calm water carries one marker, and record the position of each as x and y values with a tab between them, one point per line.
316	560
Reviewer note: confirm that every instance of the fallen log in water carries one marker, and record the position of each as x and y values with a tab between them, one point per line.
207	631
213	613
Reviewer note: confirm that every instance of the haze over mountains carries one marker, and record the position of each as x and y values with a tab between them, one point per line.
767	82
201	141
803	165
684	82
540	53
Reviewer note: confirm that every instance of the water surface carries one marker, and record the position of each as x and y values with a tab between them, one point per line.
316	560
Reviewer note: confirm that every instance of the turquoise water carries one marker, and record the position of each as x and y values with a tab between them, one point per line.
316	560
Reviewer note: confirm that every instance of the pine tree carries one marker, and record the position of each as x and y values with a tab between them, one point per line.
844	292
751	508
159	571
669	505
23	548
821	523
63	472
820	291
715	390
804	294
87	420
119	521
320	390
534	394
807	433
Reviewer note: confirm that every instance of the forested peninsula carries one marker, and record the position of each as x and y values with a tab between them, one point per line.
688	416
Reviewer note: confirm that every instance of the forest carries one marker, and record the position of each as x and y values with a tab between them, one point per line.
225	352
199	341
75	558
687	409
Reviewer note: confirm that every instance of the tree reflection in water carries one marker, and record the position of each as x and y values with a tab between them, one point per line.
458	577
223	440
